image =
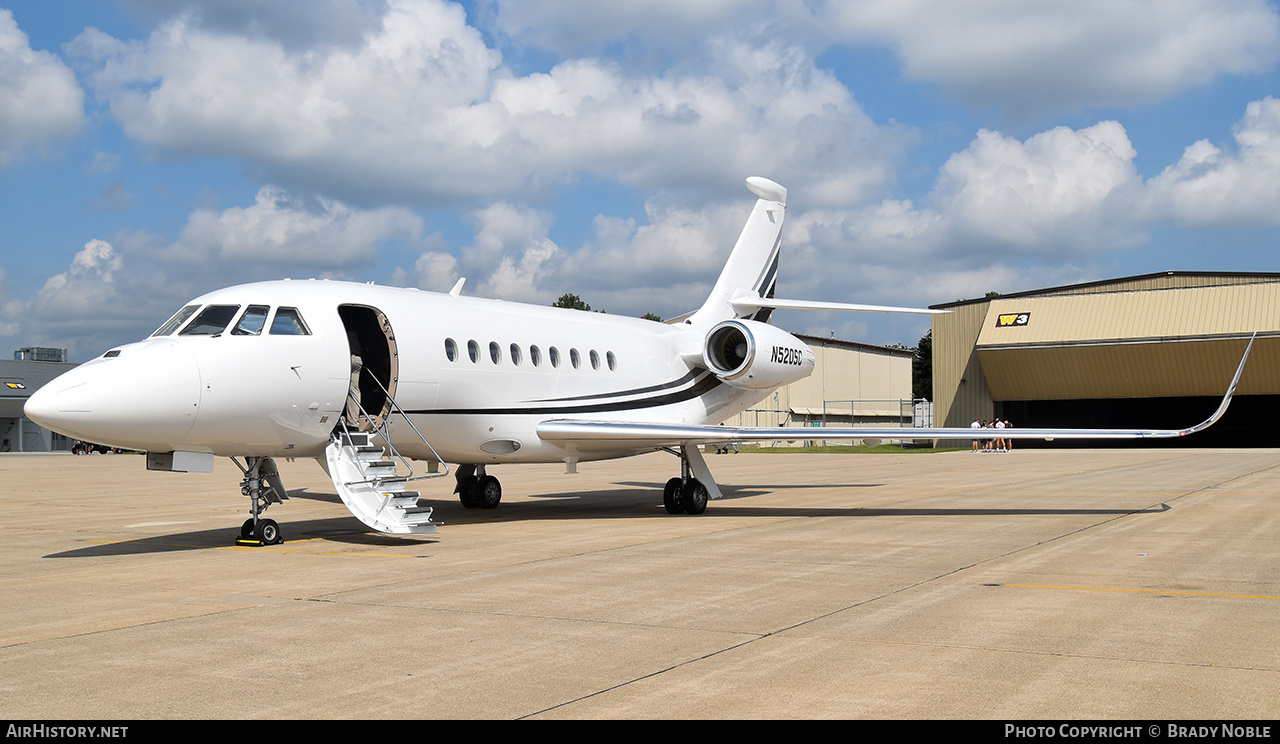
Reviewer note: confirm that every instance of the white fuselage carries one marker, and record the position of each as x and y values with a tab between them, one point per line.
282	395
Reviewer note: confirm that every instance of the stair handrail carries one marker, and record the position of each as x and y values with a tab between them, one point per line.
386	435
396	453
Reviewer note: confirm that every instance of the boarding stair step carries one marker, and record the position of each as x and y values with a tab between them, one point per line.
373	492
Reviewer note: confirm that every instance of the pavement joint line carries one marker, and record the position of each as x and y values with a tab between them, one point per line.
641	678
119	628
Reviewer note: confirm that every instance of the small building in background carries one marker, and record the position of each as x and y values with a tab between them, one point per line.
40	354
852	384
30	369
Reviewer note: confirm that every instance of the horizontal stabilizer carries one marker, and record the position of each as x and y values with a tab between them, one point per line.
749	304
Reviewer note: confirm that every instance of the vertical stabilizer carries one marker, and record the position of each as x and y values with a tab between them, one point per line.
753	265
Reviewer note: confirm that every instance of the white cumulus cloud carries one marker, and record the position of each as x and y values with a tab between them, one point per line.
39	97
1030	58
422	110
1036	57
1052	190
278	229
1212	187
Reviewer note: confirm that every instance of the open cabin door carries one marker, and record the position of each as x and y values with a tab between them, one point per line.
373	349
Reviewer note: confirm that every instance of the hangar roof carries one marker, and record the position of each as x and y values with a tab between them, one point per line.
1141	282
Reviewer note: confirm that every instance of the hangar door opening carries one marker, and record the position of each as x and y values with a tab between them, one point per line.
1249	422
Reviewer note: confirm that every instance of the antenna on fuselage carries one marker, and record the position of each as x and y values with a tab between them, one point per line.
457	288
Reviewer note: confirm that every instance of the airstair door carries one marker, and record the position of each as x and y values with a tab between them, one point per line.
374	365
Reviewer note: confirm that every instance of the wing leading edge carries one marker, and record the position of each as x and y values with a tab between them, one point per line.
565	430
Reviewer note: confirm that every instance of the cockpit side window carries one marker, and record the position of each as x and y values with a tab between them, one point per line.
211	321
251	323
177	320
289	322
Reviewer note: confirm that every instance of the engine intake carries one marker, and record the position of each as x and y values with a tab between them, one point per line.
755	356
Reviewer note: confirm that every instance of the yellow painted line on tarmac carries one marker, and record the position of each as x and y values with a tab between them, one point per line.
1141	591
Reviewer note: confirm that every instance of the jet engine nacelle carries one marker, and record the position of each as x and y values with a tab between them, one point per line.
755	356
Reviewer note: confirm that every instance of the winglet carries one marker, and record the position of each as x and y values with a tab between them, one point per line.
1226	399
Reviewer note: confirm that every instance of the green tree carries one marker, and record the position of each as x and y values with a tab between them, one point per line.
652	316
572	302
922	368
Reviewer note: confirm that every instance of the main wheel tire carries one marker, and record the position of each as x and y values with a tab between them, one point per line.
694	497
487	492
671	496
267	532
467	491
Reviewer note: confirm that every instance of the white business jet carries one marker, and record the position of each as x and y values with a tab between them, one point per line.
366	379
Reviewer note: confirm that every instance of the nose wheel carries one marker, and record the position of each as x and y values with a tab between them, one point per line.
265	532
263	487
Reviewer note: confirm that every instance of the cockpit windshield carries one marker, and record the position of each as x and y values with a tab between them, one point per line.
177	320
288	322
251	323
211	321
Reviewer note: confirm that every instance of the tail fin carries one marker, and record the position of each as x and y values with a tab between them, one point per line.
753	265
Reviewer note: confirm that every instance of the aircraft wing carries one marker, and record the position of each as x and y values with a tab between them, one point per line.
658	435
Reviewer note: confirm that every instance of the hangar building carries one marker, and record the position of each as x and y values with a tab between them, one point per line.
19	378
1152	351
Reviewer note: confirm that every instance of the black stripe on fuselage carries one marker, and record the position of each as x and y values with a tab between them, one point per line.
705	385
635	391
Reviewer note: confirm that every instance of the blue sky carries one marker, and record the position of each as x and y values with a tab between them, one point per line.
152	150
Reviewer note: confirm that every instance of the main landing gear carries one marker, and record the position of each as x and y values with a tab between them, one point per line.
263	486
687	494
475	489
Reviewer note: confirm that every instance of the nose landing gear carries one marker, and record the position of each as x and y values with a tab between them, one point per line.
263	486
265	532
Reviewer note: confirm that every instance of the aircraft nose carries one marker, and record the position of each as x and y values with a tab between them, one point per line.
146	397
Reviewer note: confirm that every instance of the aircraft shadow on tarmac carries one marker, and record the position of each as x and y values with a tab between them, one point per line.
634	499
303	493
344	529
756	489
